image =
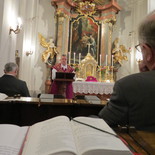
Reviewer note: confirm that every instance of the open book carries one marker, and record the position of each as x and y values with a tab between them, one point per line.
46	97
92	99
3	96
60	136
11	139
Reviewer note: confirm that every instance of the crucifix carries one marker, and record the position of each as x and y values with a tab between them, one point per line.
89	47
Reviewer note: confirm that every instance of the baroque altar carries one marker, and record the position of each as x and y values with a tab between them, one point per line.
85	25
84	33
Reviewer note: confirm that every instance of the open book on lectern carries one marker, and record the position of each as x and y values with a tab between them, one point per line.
60	136
64	75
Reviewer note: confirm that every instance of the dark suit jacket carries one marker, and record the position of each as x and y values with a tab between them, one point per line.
132	102
11	86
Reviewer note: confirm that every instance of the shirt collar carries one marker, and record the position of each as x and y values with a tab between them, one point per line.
9	74
64	67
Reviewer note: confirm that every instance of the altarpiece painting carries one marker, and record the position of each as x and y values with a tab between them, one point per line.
84	37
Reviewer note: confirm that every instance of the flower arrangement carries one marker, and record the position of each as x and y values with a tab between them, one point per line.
76	68
103	70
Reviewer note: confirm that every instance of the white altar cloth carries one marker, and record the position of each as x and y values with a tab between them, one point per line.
93	87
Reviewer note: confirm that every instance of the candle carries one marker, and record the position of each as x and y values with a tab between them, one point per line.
69	57
112	60
74	57
106	62
100	59
79	58
112	69
89	47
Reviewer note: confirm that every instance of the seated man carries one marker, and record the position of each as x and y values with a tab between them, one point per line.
10	85
133	100
58	87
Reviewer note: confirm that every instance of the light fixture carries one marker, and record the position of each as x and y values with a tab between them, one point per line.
29	53
30	50
18	28
139	57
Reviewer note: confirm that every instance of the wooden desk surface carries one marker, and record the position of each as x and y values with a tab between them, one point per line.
64	80
149	137
25	111
141	142
145	139
29	110
31	100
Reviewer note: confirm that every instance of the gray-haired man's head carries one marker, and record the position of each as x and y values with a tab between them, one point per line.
147	30
11	68
147	41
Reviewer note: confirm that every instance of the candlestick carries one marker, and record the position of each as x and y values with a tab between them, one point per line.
69	55
100	59
89	47
112	60
74	57
79	58
106	60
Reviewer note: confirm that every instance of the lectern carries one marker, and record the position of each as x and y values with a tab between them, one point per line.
64	76
63	79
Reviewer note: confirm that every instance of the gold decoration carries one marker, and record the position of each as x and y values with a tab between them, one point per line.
86	8
107	75
61	15
50	52
119	52
110	21
88	66
100	74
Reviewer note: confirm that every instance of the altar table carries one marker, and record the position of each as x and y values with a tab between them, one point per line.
93	87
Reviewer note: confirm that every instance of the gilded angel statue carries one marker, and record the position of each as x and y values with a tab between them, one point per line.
50	52
119	52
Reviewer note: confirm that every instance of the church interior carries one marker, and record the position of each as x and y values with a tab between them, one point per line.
98	37
98	41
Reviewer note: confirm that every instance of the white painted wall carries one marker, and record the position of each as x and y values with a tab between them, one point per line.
38	17
151	5
8	11
1	22
46	26
128	19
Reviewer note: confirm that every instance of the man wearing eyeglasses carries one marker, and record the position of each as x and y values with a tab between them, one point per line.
133	100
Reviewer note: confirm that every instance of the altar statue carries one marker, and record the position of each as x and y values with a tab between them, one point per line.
119	52
50	52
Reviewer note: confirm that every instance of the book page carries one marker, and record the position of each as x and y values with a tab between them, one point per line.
49	96
3	96
11	139
50	137
90	141
46	97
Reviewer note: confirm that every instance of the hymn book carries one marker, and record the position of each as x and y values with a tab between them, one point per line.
60	136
